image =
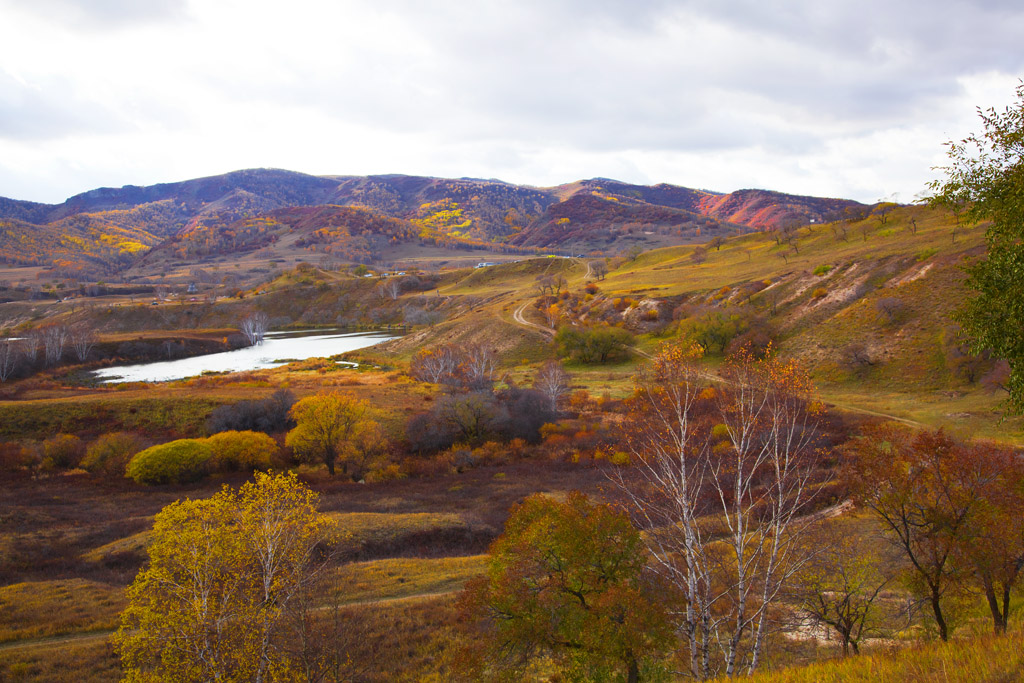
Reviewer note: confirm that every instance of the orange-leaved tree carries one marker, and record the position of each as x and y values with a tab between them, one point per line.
951	507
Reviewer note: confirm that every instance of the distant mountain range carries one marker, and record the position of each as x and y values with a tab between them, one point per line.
359	218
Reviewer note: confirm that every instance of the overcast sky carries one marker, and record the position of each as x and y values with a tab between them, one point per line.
821	97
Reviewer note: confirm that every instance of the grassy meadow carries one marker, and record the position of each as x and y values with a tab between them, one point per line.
72	541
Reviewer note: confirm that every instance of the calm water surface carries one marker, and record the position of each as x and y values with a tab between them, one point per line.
276	349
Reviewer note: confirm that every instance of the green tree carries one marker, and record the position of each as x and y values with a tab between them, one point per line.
594	344
324	424
225	577
174	462
985	181
567	580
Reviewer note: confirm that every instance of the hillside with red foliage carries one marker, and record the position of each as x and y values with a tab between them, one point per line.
357	218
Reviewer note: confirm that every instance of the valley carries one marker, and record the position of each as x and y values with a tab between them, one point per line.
497	383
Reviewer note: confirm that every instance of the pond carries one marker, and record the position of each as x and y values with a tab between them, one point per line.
278	348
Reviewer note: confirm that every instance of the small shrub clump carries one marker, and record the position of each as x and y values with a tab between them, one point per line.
111	453
63	451
175	462
241	451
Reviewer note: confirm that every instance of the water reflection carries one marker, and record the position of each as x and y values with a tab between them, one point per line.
277	349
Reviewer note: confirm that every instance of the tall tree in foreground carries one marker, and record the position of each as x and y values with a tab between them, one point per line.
952	508
985	181
566	580
721	480
225	580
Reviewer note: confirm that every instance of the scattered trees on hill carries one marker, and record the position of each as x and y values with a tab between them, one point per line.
722	478
566	580
890	309
225	595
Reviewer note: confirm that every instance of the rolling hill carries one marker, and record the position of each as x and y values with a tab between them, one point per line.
106	230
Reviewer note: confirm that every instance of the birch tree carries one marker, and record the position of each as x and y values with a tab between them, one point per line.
255	326
83	338
434	365
8	359
54	337
30	344
553	382
722	477
478	367
225	575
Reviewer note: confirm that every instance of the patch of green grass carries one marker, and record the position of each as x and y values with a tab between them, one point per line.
173	417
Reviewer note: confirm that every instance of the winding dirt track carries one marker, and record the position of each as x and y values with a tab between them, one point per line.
518	317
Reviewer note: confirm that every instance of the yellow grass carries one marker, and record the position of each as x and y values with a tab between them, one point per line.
402	577
47	608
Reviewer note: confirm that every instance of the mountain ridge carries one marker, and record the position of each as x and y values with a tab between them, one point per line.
597	215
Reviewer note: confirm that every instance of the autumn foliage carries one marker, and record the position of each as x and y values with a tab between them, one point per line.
566	580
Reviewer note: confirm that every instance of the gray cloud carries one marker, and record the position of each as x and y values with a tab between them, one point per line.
503	86
49	111
660	75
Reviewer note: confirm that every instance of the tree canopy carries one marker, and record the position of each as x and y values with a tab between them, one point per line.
985	182
226	578
567	580
324	425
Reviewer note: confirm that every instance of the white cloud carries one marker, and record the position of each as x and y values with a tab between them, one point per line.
840	99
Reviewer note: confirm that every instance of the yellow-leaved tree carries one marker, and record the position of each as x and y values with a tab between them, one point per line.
225	595
325	425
